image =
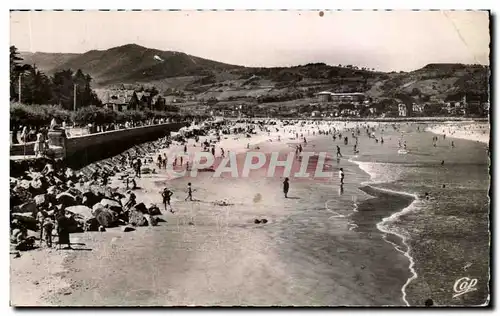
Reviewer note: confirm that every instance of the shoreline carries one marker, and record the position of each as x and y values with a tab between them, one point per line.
372	191
452	131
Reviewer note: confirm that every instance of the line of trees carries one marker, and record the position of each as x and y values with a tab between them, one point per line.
38	88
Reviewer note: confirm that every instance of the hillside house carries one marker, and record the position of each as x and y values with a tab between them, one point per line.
402	109
145	99
418	108
118	100
355	97
158	102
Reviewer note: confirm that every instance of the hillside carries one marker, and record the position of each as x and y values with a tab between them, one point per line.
46	62
202	79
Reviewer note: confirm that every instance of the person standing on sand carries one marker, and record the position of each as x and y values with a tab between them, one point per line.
341	175
213	151
48	226
167	194
452	144
40	218
222	152
190	193
63	230
338	151
286	187
160	162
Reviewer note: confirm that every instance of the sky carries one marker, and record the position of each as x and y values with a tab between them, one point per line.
384	40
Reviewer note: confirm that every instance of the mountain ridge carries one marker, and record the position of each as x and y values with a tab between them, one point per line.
137	65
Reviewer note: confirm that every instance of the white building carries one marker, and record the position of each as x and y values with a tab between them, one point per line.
403	111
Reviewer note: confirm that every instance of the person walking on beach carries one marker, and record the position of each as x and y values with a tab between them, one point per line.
452	144
160	162
185	149
222	152
167	194
286	187
341	175
190	193
338	151
213	151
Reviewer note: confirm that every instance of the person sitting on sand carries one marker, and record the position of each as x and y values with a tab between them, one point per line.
166	195
286	187
131	201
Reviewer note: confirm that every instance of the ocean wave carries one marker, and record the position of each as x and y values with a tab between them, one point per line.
385	173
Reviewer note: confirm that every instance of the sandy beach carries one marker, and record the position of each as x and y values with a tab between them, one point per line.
475	132
323	246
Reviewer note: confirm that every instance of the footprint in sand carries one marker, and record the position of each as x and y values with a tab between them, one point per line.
257	198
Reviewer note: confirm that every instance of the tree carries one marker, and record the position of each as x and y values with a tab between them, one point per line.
62	88
16	68
36	87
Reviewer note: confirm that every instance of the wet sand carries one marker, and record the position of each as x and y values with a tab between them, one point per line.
321	247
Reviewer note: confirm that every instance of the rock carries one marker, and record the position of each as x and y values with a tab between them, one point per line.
13	182
136	218
20	195
52	190
141	208
98	207
106	218
127	229
66	199
256	221
25	184
41	200
154	210
37	185
112	205
151	220
26	219
91	225
29	207
263	221
81	211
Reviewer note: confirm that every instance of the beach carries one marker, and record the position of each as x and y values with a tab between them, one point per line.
374	241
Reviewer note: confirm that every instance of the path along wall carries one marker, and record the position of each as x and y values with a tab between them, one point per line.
82	150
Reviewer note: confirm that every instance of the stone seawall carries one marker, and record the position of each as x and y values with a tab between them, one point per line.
82	150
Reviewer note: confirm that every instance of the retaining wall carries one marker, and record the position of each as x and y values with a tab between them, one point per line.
82	150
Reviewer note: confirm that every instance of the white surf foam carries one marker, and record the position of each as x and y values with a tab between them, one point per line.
377	176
